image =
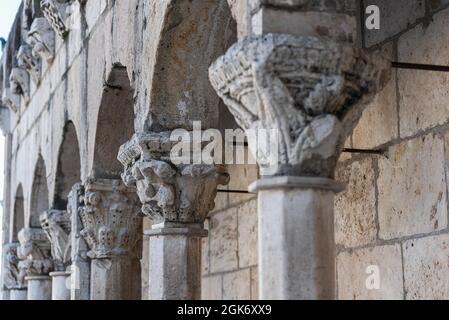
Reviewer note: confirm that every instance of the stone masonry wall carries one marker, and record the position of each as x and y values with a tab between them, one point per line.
230	252
394	214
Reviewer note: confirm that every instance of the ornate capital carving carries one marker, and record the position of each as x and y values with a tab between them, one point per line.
111	218
41	37
56	13
310	90
11	100
34	252
12	278
19	81
169	193
28	62
56	225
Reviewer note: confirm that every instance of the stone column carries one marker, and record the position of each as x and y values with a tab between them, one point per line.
57	225
80	268
36	264
13	281
178	198
306	91
113	231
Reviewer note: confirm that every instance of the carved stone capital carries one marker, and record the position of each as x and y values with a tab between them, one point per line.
11	100
27	61
19	81
34	252
111	218
56	225
41	37
170	193
12	279
56	13
309	90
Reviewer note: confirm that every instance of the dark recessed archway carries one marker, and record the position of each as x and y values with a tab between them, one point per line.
18	219
39	194
69	167
115	124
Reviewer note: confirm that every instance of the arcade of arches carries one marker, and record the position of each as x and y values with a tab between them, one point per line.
95	209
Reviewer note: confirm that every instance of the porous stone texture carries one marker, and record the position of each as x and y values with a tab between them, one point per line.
423	95
426	268
237	285
76	84
355	208
247	234
353	273
379	122
395	16
413	171
223	241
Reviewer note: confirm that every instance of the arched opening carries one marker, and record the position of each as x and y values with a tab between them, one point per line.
18	220
193	35
115	124
39	194
69	167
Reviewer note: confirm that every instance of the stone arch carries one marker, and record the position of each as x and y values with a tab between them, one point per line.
193	35
115	124
68	171
18	219
39	194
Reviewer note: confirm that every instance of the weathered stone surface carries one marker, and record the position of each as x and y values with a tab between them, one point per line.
412	188
352	273
205	261
379	122
437	4
247	234
170	193
57	226
12	279
426	268
423	95
261	80
355	208
212	288
241	176
237	285
395	16
254	283
223	241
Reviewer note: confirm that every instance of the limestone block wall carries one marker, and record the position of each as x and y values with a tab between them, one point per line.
230	253
394	214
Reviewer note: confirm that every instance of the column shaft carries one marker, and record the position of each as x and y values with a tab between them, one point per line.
296	232
175	263
60	289
39	288
18	295
116	279
113	231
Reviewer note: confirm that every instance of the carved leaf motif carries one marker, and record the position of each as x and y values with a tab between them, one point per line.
310	90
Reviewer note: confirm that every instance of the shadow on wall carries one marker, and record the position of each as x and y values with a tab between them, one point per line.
39	195
115	124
